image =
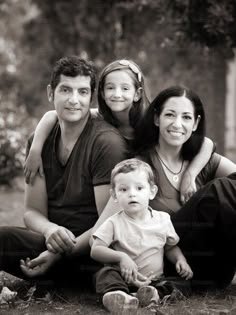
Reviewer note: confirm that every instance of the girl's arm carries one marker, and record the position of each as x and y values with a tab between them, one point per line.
33	163
188	185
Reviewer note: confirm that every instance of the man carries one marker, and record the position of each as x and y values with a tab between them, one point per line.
63	206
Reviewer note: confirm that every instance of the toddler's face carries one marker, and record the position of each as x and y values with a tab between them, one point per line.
133	191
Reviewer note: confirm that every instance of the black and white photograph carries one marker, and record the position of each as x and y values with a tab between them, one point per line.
117	157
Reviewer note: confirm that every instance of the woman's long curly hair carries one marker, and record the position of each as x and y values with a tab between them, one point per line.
147	135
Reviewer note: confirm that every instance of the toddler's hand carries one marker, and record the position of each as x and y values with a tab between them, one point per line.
183	269
128	268
141	280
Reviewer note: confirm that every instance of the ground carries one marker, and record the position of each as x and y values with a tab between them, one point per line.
48	301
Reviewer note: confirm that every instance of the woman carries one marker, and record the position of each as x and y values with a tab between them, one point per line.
174	128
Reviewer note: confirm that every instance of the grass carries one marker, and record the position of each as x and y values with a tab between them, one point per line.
85	302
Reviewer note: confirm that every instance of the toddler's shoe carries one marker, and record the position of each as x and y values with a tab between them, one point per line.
148	295
120	303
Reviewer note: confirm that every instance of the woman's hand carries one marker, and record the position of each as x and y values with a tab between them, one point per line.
39	265
183	269
187	187
33	165
128	268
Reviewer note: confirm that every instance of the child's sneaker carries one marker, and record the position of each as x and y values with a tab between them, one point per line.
148	295
120	303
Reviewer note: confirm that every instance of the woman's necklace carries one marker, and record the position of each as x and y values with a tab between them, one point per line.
175	177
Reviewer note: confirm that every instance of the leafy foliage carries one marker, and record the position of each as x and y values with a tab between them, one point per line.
209	22
14	126
103	30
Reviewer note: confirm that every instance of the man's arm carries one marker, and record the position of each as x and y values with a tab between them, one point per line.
58	238
36	209
105	208
36	218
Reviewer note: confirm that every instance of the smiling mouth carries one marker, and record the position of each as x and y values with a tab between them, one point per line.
73	109
176	133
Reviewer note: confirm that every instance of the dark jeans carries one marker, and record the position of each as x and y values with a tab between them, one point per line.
20	243
109	279
206	225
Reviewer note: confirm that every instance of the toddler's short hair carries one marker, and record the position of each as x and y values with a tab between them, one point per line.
131	165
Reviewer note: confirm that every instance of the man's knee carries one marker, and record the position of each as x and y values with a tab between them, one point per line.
14	238
6	233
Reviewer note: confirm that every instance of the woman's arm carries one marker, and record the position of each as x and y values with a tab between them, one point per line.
188	186
33	162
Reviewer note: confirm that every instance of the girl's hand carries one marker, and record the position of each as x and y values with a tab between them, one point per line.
128	268
183	269
40	265
33	164
187	187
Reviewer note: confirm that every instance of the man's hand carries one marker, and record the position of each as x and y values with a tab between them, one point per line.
59	240
128	268
39	265
187	187
183	269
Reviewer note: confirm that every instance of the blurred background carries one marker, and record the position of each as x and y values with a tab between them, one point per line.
190	42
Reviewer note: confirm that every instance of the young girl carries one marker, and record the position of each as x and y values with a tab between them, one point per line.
122	101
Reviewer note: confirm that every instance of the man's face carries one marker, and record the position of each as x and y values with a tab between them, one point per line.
72	98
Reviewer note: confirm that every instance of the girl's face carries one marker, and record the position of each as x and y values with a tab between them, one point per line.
119	91
176	121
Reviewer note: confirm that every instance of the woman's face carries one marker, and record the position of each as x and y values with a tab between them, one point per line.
176	121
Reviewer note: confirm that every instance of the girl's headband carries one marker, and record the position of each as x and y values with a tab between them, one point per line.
133	67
